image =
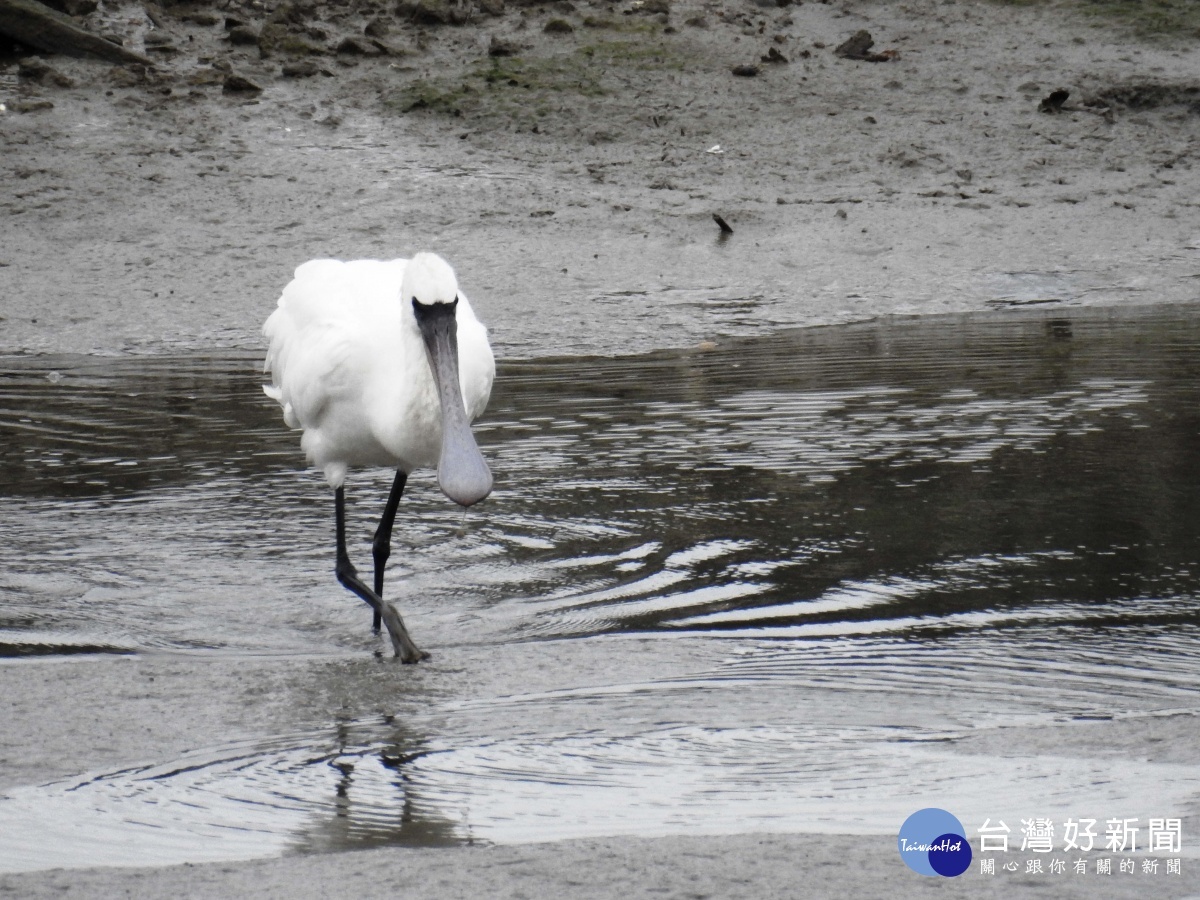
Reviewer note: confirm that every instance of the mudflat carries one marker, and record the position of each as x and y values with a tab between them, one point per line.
569	160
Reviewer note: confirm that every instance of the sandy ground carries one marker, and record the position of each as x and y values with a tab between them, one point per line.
573	183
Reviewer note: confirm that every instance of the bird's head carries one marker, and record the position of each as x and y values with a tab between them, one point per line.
431	289
428	280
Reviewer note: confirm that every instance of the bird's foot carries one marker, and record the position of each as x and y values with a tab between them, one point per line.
420	655
402	644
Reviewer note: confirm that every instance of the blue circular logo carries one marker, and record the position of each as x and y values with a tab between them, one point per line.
933	842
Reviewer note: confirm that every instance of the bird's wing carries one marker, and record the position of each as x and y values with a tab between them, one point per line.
334	323
476	364
325	295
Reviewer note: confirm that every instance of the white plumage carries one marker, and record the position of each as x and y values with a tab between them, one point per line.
382	364
349	367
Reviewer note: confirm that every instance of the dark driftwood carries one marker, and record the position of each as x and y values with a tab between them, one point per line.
37	25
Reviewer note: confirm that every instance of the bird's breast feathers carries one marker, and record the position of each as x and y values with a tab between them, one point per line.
351	370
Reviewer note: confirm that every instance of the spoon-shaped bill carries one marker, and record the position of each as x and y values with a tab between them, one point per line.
463	474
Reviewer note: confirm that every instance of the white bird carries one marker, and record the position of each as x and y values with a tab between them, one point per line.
382	364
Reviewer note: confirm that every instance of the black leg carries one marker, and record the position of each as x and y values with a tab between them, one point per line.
381	549
348	576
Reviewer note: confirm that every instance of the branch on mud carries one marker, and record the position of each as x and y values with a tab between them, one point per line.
38	26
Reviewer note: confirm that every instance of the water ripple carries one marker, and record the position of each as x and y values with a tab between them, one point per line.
795	583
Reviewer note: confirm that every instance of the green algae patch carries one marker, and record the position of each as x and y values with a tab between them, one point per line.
517	86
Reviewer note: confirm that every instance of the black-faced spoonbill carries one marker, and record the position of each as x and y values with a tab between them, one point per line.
382	364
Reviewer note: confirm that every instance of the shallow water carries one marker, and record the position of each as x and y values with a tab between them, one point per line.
804	583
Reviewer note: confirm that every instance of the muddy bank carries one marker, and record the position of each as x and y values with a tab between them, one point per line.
768	866
572	175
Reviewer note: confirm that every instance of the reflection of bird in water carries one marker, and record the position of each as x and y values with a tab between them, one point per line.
382	364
